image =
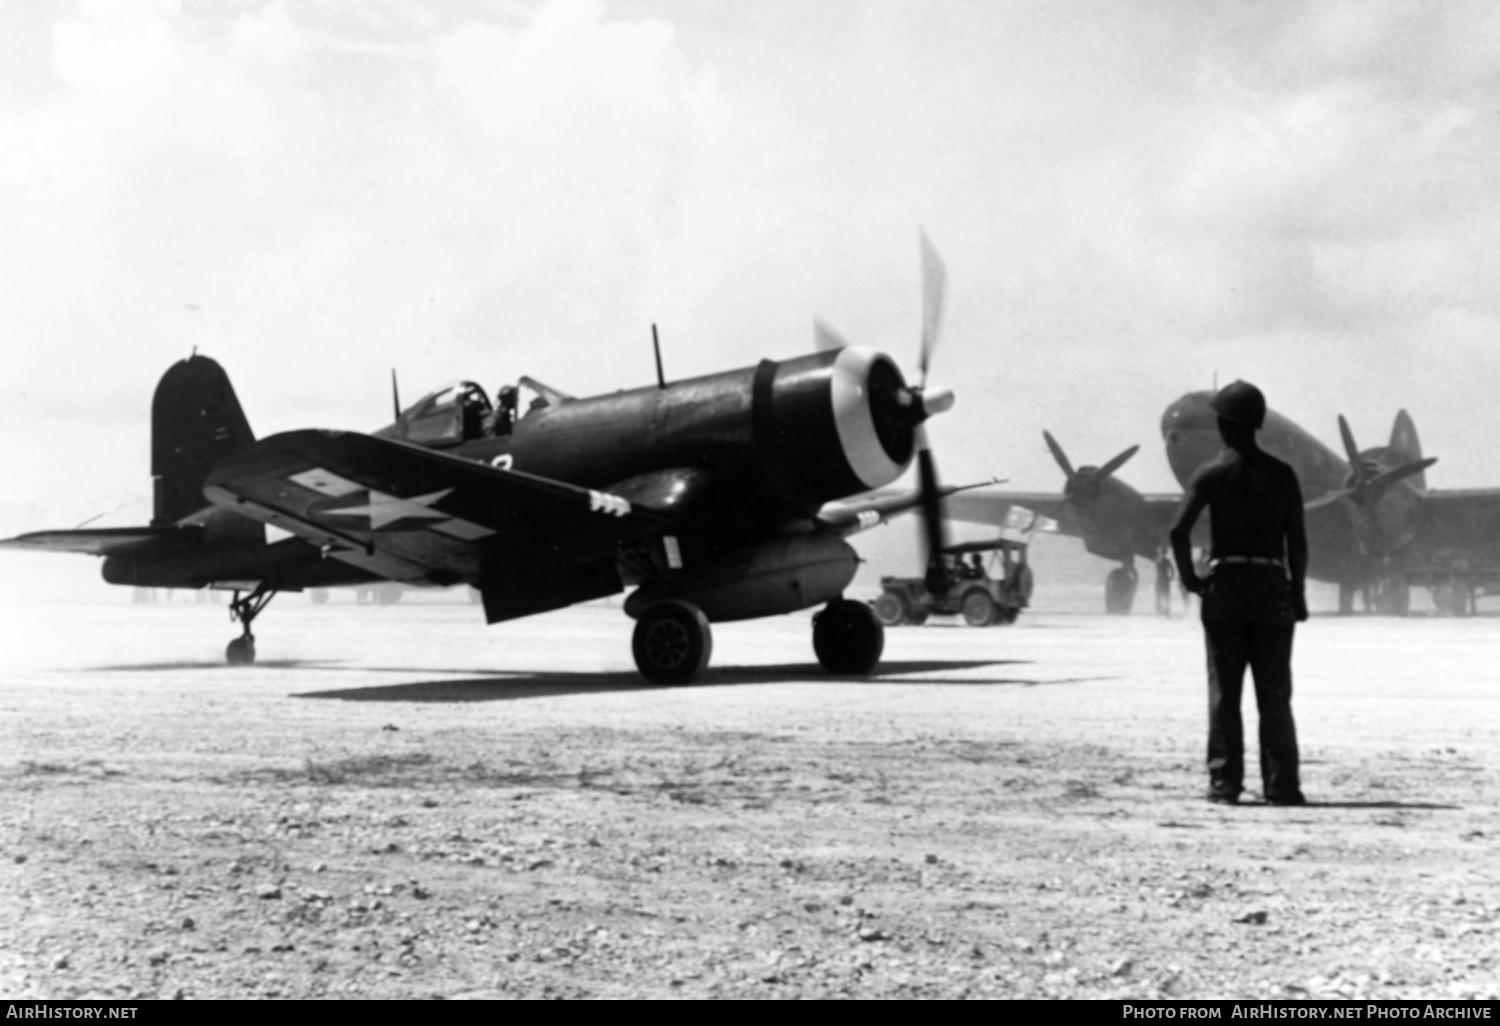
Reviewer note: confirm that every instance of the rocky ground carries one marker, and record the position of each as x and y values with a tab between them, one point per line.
400	802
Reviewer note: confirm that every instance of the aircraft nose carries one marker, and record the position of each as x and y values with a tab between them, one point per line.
1189	415
1190	429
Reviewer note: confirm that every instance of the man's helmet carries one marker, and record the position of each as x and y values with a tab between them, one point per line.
1242	403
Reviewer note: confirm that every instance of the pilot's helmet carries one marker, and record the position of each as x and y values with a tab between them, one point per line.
507	395
1241	403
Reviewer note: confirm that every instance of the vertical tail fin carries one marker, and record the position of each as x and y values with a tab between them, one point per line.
1405	442
196	421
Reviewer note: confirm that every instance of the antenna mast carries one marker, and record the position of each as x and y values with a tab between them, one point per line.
661	379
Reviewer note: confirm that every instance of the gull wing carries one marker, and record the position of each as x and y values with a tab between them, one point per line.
413	514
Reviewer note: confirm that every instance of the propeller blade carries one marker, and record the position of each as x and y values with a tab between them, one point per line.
1397	473
825	338
1116	463
1326	500
1060	456
1352	451
937	400
932	515
934	288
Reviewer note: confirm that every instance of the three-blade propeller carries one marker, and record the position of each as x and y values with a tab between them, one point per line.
1082	485
920	402
1365	484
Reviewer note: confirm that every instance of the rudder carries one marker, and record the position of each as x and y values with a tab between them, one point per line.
196	421
1404	442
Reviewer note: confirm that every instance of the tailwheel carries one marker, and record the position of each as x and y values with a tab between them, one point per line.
672	642
241	651
847	637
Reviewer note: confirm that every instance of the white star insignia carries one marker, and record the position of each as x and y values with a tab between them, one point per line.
384	509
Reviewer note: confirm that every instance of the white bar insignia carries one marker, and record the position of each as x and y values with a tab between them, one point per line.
612	505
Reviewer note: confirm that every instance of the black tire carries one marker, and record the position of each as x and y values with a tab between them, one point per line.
240	652
1119	592
890	609
979	609
672	643
848	638
1025	583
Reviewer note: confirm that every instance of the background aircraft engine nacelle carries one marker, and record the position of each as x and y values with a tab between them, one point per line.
783	575
833	424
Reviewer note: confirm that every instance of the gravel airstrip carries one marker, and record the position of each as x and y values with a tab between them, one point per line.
398	801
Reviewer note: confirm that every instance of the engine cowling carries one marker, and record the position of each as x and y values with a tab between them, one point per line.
833	424
783	575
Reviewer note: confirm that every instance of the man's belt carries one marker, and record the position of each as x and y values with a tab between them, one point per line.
1247	560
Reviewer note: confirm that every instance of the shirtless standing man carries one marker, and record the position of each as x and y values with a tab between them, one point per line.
1253	599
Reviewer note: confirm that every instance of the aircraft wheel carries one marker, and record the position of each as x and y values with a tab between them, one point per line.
979	609
1119	592
672	642
241	652
847	637
890	610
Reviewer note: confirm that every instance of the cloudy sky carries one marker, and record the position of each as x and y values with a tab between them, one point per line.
1132	199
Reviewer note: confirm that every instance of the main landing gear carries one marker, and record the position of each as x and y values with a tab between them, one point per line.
673	642
848	637
241	651
1119	590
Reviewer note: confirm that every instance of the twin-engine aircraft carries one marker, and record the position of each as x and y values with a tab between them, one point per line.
714	497
1374	528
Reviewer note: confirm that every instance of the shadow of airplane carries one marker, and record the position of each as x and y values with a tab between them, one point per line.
1422	806
502	686
264	664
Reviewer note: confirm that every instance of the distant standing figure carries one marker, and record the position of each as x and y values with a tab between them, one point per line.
1253	598
1164	575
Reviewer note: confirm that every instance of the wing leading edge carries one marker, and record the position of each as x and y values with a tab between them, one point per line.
413	514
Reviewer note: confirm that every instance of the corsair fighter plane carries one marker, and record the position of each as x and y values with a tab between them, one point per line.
715	498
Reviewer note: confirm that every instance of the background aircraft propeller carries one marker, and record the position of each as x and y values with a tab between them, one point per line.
1083	484
1365	484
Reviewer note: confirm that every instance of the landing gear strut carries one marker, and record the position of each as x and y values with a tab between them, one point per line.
241	651
847	637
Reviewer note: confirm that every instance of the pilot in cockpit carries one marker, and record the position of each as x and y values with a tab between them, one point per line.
475	408
506	400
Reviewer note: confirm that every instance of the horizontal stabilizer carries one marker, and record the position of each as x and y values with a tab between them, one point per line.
105	541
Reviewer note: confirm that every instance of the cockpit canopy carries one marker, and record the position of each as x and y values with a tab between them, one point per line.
458	412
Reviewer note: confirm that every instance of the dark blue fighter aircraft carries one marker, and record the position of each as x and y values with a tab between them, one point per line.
715	498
